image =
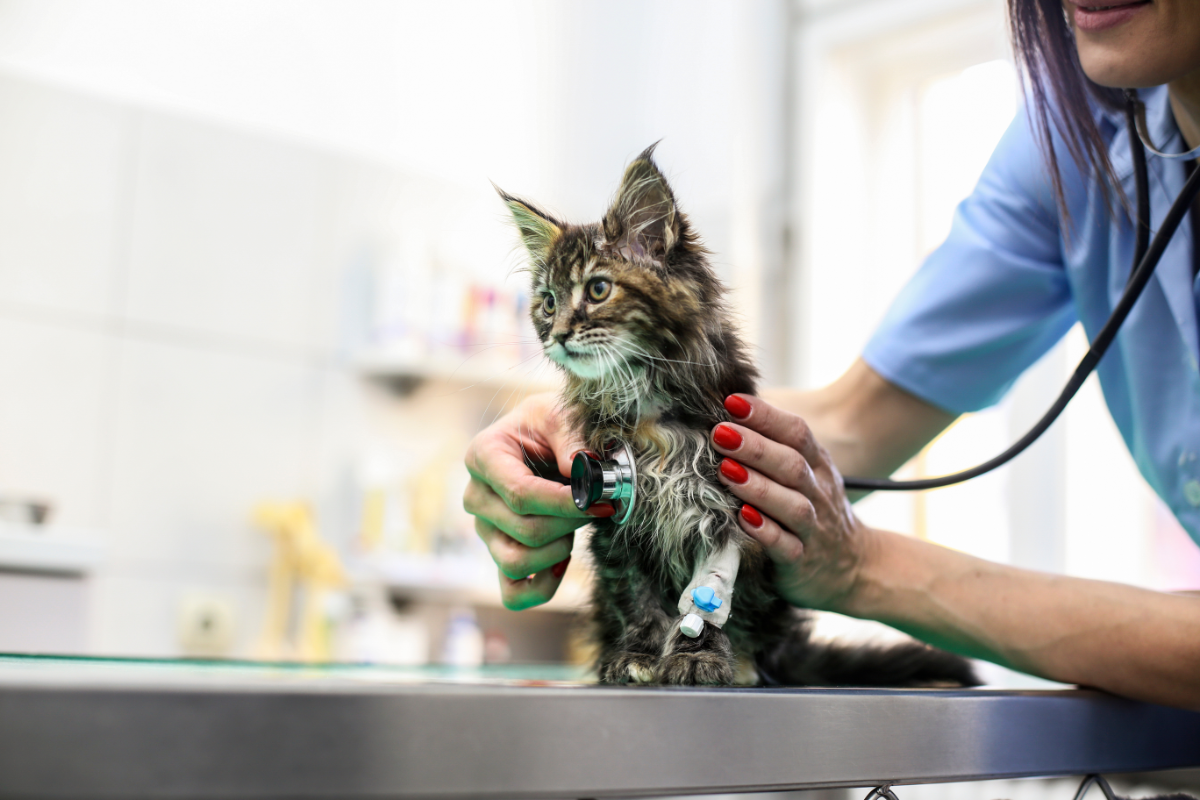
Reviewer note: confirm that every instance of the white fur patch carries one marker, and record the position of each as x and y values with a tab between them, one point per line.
680	502
640	674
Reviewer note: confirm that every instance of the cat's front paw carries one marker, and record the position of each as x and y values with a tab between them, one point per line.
704	668
706	660
629	668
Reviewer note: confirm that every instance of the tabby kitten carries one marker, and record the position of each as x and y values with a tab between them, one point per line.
632	312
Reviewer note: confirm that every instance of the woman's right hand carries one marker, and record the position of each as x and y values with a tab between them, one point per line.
527	522
807	526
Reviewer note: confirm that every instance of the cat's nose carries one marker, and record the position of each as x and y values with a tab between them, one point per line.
561	337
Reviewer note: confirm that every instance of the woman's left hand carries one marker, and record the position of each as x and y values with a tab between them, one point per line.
796	506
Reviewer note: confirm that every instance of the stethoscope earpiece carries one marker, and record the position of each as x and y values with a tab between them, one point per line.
614	479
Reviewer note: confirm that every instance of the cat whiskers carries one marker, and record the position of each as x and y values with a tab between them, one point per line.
635	350
610	390
484	347
520	429
621	388
500	388
524	389
664	372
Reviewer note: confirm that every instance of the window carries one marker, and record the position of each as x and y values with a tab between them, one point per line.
897	107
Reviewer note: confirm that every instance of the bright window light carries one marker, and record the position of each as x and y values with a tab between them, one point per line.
960	119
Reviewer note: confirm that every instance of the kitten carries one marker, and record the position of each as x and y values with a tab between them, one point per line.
632	312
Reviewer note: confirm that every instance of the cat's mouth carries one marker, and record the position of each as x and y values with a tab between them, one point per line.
583	363
570	356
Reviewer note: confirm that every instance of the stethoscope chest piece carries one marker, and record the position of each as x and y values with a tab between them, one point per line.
613	478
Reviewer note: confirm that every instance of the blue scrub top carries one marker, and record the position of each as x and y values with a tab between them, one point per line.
1012	278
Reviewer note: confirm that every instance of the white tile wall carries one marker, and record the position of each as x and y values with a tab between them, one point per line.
55	384
170	295
366	214
177	304
137	614
64	185
203	436
227	233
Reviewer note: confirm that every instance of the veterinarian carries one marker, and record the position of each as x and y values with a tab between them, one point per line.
1045	240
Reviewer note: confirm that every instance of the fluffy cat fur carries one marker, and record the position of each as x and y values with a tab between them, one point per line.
635	317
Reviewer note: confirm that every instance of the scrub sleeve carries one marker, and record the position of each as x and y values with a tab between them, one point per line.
992	299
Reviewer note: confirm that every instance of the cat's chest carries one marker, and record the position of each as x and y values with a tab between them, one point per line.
656	440
680	497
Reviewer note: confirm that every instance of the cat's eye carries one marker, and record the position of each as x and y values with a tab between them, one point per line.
598	290
548	304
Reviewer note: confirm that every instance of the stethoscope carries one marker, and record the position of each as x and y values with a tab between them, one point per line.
613	477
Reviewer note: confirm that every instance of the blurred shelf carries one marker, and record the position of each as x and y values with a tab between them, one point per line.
471	581
29	548
460	368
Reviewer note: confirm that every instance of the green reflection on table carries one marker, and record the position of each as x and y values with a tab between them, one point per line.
214	670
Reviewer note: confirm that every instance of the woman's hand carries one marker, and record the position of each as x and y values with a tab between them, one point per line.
796	506
527	522
1126	640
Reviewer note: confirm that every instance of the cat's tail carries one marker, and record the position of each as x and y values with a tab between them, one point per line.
800	661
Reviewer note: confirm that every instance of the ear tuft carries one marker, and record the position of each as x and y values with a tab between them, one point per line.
643	223
537	228
648	153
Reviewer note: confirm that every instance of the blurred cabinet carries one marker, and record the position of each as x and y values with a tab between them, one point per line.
44	589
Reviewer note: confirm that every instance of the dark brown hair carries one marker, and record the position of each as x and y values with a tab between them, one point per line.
1060	93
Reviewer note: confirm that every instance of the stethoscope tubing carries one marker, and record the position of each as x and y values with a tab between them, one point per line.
1146	260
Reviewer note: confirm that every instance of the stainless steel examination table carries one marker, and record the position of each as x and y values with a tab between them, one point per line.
79	728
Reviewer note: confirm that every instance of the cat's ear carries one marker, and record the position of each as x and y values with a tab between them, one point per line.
643	224
537	228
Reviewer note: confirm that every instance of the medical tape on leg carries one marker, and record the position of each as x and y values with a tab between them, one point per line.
716	573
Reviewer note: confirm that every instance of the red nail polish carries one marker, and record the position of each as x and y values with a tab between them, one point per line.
751	515
560	568
600	510
734	471
737	406
727	437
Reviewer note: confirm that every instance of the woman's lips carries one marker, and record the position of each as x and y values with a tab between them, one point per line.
1104	15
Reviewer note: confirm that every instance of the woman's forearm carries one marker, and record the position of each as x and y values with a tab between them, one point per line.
1133	642
870	427
1128	641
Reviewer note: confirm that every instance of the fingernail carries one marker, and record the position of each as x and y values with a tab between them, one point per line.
737	406
561	567
600	510
734	471
727	437
751	515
